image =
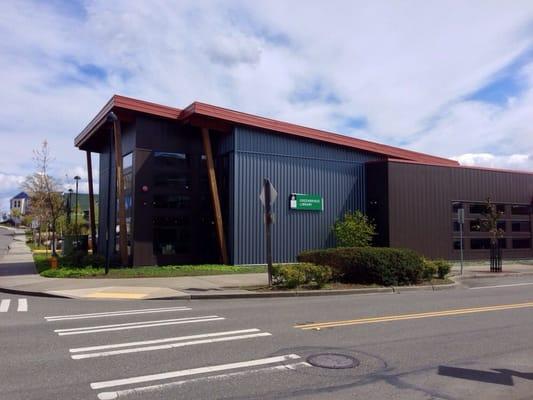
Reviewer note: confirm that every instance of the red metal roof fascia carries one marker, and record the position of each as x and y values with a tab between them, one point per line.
488	169
146	107
126	103
310	133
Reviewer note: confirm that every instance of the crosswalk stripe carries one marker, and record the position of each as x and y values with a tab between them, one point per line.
136	325
115	313
166	340
194	371
217	378
169	346
22	305
4	305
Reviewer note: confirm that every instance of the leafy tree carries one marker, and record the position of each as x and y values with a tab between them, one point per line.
354	230
44	191
489	222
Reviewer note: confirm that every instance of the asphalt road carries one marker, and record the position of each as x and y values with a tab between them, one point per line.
456	344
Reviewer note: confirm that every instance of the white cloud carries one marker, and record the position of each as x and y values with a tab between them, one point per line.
403	67
512	161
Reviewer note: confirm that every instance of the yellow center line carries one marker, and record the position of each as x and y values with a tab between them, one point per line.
401	317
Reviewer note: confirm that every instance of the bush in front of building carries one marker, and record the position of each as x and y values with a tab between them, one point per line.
443	268
294	275
354	229
430	269
81	259
370	265
440	268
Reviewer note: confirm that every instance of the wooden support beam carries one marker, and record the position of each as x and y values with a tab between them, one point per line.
122	236
92	217
214	196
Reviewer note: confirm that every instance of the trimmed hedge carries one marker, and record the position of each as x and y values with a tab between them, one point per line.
294	275
379	265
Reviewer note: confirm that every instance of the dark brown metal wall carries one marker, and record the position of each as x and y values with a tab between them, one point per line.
420	203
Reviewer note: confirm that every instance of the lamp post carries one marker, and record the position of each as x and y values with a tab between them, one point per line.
77	179
69	208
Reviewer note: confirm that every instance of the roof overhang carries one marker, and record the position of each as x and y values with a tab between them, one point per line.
222	119
124	104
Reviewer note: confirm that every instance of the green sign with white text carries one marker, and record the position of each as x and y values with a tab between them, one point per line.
306	202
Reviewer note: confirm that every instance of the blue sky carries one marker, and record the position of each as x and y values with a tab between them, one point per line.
451	78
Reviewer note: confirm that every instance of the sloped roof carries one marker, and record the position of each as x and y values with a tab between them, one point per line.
21	195
198	109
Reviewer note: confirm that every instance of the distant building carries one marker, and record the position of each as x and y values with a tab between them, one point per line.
83	204
19	203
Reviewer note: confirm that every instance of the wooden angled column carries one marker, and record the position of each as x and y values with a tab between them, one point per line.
122	236
214	196
92	217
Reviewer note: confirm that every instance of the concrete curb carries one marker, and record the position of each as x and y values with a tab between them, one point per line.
33	293
278	294
492	275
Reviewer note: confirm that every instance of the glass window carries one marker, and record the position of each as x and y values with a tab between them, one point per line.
173	180
457	244
477	226
500	225
519	210
456	227
521	243
502	243
520	226
500	208
171	235
477	244
478	208
178	201
127	161
173	160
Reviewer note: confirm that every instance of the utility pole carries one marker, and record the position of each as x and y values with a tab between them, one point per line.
268	196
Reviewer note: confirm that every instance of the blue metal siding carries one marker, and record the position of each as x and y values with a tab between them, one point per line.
293	166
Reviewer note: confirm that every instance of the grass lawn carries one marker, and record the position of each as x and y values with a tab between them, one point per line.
43	267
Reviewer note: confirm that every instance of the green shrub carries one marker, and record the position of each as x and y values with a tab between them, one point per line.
294	275
93	260
430	269
369	265
354	230
443	268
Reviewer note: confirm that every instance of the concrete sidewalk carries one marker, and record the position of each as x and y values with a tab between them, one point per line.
18	275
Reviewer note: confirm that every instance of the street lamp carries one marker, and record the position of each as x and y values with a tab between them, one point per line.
69	208
77	179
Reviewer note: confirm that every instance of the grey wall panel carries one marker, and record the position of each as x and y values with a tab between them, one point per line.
266	142
293	166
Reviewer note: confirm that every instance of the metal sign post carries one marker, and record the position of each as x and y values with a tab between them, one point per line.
268	196
461	219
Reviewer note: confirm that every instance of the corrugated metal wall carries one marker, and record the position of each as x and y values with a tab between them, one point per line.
293	166
420	204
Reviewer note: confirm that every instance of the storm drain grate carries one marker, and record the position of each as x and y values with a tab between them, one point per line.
332	361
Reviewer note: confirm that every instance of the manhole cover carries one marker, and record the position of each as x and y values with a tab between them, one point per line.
332	361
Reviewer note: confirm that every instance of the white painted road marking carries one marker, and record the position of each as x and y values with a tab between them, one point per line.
156	341
4	305
194	371
136	325
154	388
169	346
500	286
115	313
23	305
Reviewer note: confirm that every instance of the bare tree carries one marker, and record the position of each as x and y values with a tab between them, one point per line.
44	191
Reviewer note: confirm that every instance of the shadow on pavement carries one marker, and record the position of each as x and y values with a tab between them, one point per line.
500	377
